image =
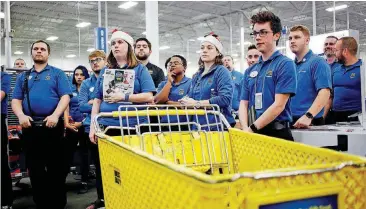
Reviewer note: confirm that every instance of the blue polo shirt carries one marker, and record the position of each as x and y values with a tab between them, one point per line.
215	86
143	84
237	78
334	65
75	113
177	92
279	79
45	91
5	87
347	87
313	74
87	92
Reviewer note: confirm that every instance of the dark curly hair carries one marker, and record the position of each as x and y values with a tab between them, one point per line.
267	16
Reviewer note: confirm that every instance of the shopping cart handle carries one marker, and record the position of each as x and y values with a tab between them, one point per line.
141	113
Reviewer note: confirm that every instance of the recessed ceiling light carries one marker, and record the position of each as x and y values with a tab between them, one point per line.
245	43
164	47
83	24
143	33
18	52
331	9
90	49
71	56
201	38
192	40
52	38
235	55
199	51
2	15
128	5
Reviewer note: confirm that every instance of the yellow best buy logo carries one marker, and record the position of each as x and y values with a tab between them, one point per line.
352	75
181	91
269	73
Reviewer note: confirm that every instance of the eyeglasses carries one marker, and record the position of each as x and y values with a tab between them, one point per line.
95	61
261	33
175	63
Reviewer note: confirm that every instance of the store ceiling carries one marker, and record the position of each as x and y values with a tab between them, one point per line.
178	22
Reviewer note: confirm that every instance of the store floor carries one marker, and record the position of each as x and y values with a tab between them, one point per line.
23	199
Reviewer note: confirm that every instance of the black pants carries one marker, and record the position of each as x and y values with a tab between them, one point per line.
45	150
6	185
315	122
342	116
72	139
281	130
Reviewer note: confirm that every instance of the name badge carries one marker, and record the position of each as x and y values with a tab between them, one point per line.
91	89
258	104
74	94
253	74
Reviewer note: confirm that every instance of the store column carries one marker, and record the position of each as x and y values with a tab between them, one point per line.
152	29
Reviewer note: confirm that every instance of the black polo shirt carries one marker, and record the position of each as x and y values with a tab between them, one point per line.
156	73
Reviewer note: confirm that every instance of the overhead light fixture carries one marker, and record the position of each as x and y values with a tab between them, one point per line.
18	52
52	38
192	40
199	51
83	24
331	9
245	43
128	5
164	47
143	33
2	15
235	55
281	47
365	19
90	49
71	56
201	38
189	63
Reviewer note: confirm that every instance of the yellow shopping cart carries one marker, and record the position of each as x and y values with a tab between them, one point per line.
200	169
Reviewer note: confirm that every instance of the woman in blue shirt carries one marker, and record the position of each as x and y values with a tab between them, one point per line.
73	122
212	84
122	57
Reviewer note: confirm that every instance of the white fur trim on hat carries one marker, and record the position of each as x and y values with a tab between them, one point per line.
122	35
215	42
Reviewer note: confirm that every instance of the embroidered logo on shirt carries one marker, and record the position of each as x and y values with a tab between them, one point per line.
269	73
253	74
91	89
181	91
30	77
48	77
353	75
151	72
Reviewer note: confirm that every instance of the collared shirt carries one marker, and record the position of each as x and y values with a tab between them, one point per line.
156	73
347	87
313	74
75	113
333	66
279	79
215	86
45	90
87	93
143	84
237	79
177	92
5	87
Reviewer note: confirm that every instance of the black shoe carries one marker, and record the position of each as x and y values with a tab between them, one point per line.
97	204
6	207
84	188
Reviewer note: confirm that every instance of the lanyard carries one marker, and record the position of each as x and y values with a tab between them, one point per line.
264	77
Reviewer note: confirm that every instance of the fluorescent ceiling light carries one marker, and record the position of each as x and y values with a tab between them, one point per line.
281	47
365	19
245	43
52	38
128	5
192	40
201	38
143	33
71	56
83	24
90	49
2	15
164	47
235	55
189	63
199	51
18	52
331	9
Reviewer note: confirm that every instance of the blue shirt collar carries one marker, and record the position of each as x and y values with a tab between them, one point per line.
357	64
213	67
48	67
184	80
305	58
273	56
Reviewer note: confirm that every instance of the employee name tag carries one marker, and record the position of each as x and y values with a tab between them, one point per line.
258	101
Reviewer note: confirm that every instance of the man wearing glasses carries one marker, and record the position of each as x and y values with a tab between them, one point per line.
346	81
253	55
88	89
268	84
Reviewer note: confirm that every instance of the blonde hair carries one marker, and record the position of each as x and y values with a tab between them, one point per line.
97	53
301	28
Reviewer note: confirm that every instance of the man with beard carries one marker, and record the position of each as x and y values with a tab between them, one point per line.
346	81
88	89
237	78
40	98
142	52
253	55
269	84
313	81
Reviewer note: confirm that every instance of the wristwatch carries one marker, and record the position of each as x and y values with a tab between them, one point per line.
309	115
254	128
127	97
198	104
